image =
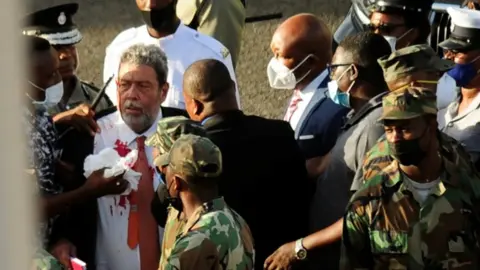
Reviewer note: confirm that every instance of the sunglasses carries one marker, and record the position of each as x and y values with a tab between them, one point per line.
384	28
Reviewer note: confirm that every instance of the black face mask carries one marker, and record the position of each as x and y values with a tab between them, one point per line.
160	19
161	201
408	152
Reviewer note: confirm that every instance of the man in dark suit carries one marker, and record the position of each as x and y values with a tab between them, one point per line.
302	49
264	177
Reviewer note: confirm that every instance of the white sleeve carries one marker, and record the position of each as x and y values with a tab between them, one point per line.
108	70
228	63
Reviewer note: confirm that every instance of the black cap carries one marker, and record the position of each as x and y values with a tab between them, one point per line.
54	24
465	30
411	6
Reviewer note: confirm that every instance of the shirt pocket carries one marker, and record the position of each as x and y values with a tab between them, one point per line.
389	242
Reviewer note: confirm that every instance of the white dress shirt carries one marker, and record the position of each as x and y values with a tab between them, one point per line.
464	127
182	49
306	95
113	252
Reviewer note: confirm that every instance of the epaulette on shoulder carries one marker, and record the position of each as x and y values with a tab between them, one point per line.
105	112
90	85
124	36
211	44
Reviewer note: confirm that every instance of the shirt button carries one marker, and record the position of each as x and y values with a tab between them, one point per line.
450	124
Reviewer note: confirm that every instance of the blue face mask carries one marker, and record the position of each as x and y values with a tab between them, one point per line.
463	74
337	96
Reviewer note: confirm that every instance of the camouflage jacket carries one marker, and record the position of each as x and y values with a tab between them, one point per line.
386	228
44	261
214	237
379	157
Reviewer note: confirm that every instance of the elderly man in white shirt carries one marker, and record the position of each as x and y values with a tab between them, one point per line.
128	237
182	45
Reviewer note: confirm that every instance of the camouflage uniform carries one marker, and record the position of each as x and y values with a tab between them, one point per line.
214	236
400	64
168	131
385	227
45	261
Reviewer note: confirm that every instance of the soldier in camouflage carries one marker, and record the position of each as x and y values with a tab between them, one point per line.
45	261
420	211
168	131
214	236
412	66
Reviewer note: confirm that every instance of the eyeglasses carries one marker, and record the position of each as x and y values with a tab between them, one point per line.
384	28
331	67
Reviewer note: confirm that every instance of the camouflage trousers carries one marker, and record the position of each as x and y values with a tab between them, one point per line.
45	261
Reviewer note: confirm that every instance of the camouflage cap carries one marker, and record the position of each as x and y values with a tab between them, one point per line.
411	59
194	156
408	103
169	129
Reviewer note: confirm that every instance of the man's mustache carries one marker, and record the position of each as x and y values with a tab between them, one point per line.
131	104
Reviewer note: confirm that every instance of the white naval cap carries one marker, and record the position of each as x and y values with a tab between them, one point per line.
465	29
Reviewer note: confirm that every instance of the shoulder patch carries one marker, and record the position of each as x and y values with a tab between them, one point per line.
212	44
124	36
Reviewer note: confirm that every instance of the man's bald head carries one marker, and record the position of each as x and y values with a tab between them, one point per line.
208	87
306	32
303	43
208	79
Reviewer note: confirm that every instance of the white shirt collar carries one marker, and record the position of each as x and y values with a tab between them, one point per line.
308	91
128	136
181	29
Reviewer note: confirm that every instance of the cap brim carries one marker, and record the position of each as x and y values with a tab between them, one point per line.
161	160
396	116
453	44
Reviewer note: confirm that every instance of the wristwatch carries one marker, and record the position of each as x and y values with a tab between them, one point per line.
300	251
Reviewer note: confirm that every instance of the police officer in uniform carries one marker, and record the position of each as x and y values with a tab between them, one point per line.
56	25
460	119
402	22
182	45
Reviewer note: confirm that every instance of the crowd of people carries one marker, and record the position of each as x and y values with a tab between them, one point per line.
373	166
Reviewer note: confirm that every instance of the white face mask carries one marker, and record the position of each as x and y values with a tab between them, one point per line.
446	91
281	77
53	95
392	41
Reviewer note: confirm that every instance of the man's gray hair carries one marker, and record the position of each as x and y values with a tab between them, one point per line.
149	55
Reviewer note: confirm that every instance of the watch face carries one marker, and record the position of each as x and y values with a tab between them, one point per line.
301	254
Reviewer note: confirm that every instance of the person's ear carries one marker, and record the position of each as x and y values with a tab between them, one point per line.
164	91
198	107
353	73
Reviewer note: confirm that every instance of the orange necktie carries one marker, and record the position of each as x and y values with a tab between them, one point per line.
142	227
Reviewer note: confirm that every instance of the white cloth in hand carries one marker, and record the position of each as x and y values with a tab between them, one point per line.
114	165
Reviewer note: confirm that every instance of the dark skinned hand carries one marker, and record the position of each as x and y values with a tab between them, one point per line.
81	118
63	251
282	259
99	186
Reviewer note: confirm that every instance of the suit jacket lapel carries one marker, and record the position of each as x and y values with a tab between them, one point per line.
317	97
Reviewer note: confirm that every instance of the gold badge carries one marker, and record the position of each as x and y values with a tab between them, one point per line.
62	19
225	52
